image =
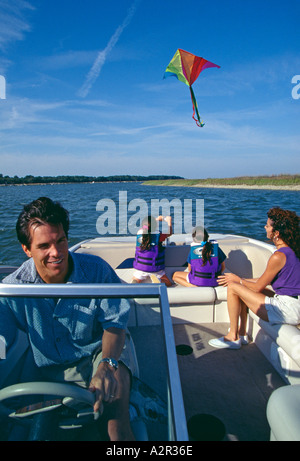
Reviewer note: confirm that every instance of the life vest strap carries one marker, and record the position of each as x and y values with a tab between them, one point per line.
206	275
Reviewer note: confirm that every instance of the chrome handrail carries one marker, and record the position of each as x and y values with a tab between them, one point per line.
68	290
82	290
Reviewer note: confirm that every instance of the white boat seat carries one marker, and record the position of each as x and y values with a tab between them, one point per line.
197	295
176	256
283	413
184	296
221	293
176	294
285	336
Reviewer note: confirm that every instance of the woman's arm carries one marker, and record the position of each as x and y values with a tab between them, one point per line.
275	264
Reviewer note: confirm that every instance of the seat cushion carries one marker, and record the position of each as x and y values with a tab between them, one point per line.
187	295
286	336
221	293
283	413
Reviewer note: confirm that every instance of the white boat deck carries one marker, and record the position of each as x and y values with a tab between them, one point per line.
232	386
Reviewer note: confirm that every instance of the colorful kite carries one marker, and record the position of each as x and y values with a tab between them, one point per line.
187	67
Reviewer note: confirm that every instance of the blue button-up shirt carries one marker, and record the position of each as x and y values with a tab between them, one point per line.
62	331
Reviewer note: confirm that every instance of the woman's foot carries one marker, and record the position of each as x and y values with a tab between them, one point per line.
224	343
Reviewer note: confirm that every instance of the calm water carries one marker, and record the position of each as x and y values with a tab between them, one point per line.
235	211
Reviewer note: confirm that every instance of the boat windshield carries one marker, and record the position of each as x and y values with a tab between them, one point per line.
156	395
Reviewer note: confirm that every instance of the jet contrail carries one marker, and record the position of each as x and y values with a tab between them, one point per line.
102	55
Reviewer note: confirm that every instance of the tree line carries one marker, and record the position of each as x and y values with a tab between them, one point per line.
29	179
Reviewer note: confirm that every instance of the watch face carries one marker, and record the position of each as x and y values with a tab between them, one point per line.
112	362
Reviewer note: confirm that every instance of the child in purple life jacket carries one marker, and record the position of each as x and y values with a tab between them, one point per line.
149	255
205	262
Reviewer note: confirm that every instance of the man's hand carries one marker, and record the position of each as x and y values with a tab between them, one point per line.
105	381
104	384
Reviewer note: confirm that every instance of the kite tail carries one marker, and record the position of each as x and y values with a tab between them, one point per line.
195	109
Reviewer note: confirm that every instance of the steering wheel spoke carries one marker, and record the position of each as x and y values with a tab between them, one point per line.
36	408
68	395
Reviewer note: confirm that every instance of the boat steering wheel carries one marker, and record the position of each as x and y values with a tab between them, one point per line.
69	395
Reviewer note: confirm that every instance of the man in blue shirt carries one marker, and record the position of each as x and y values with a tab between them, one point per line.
82	340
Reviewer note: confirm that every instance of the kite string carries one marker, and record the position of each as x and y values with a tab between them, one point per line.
195	109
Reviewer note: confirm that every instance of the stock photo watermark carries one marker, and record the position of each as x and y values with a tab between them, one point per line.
2	348
123	217
2	87
296	88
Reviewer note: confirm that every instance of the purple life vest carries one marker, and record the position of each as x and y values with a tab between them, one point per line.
204	275
151	260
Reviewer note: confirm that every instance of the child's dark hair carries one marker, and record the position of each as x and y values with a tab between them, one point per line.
200	235
148	225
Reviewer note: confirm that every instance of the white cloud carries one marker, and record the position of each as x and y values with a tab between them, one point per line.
102	55
67	60
13	23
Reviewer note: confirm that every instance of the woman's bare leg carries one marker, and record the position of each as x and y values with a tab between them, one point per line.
239	298
243	319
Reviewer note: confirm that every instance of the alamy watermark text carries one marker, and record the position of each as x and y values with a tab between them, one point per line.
123	217
2	348
2	87
296	88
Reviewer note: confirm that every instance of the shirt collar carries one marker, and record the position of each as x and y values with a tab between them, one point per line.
29	273
78	274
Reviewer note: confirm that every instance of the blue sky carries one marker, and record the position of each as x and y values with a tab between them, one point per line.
85	93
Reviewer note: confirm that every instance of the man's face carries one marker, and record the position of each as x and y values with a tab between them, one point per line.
49	251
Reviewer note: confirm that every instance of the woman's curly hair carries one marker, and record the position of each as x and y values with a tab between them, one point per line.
287	224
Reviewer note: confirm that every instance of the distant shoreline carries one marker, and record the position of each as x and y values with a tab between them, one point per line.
280	182
231	186
295	188
274	182
246	186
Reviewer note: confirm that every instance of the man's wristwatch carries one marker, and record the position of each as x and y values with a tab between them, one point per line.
112	362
